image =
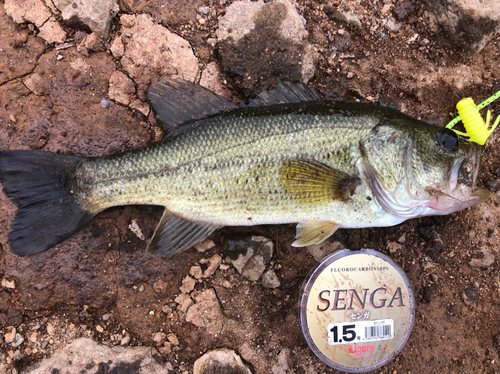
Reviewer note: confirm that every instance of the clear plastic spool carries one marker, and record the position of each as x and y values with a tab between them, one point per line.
356	310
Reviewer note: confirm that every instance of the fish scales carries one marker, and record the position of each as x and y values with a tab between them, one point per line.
226	170
322	164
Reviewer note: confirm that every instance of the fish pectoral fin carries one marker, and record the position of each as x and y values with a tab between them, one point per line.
175	235
314	182
313	232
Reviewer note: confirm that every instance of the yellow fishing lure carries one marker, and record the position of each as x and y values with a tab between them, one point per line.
476	129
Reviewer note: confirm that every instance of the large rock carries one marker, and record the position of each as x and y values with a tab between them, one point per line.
321	250
206	311
466	24
121	88
169	12
19	50
86	356
94	14
250	256
282	366
52	32
33	11
36	12
260	41
220	361
151	52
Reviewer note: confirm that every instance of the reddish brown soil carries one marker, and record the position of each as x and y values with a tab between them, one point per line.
103	269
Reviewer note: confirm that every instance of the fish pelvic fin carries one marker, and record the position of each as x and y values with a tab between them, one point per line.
39	184
175	235
314	182
313	232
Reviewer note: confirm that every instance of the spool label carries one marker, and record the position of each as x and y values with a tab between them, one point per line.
348	332
358	310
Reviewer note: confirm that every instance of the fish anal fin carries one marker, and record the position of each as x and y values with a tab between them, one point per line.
315	182
313	232
175	235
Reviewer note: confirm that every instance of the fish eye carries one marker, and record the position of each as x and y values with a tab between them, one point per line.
447	140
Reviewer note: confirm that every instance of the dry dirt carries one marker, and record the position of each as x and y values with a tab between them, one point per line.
101	284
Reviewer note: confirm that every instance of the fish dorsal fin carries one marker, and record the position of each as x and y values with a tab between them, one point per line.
313	232
285	92
313	182
175	235
176	101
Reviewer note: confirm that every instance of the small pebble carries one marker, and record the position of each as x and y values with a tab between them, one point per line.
213	264
204	245
134	227
470	296
392	25
17	355
36	327
50	329
99	328
427	232
33	337
158	337
141	288
166	349
202	21
159	286
427	294
393	247
105	102
204	10
188	284
10	335
106	316
172	338
270	280
18	340
125	340
8	284
402	238
196	272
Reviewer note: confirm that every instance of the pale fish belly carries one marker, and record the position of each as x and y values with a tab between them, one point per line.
241	203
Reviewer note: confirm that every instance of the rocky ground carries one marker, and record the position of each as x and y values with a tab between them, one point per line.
73	80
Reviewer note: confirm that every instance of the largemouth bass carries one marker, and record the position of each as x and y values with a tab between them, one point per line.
296	159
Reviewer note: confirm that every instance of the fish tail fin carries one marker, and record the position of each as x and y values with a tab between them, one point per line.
39	184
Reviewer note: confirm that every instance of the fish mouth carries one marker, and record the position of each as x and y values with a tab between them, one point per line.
463	177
